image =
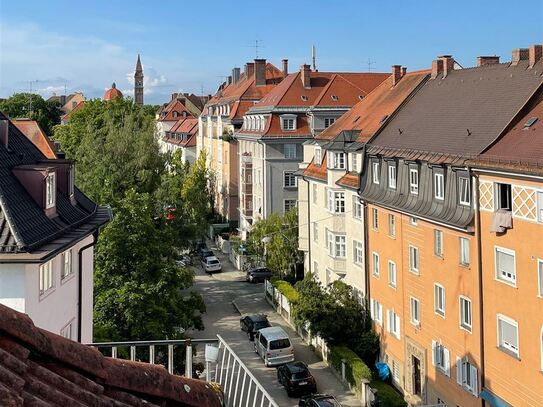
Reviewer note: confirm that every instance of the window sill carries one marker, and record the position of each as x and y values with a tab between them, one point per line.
509	283
415	272
439	314
46	294
67	278
463	328
392	237
510	353
393	287
376	276
439	256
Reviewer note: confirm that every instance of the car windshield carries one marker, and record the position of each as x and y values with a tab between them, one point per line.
279	344
328	403
261	324
300	375
213	262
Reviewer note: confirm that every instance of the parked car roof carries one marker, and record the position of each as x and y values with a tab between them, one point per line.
323	400
297	367
259	269
274	332
257	317
211	258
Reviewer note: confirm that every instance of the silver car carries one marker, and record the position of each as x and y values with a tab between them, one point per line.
211	264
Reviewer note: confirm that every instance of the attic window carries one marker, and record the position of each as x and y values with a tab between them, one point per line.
334	97
50	189
304	98
360	97
530	122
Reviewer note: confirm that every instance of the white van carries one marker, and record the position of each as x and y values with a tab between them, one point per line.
273	345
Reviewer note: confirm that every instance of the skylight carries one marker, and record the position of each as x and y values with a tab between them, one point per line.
304	98
530	122
360	97
334	97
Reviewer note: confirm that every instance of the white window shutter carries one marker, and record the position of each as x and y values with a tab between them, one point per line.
474	380
434	350
380	312
372	308
398	326
459	371
447	361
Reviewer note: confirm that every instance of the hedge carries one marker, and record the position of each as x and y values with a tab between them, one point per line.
286	289
388	395
355	369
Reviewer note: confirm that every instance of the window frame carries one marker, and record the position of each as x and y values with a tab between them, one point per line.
502	345
540	278
50	190
46	279
287	147
462	299
438	249
464	257
414	317
375	172
461	191
414	268
392	271
439	186
357	208
340	247
358	252
292	177
285	204
437	310
375	265
63	274
287	118
374	219
501	277
391	225
318	156
331	120
414	181
315	193
498	196
338	160
392	166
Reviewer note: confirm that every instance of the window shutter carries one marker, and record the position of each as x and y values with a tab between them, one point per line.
372	309
459	371
447	361
398	326
474	380
434	353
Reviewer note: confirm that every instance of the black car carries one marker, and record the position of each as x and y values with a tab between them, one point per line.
206	253
252	323
318	400
296	378
258	275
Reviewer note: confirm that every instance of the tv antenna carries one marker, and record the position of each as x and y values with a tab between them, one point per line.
258	45
370	63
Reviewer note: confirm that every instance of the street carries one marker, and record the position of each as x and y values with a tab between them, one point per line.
219	291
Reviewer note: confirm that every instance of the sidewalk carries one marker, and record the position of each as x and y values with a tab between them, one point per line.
326	380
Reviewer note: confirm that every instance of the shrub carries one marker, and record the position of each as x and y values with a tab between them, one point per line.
287	290
388	395
355	369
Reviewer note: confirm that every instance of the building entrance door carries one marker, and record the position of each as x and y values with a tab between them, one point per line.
417	388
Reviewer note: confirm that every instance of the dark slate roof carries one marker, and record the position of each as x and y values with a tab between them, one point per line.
39	368
24	226
463	112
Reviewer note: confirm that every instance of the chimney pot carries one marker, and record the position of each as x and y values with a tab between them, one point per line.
519	54
305	71
448	64
4	133
534	54
235	75
229	80
285	67
488	60
174	95
260	72
404	71
396	74
437	68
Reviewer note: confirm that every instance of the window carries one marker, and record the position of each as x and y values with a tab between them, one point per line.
415	311
316	269
540	278
375	172
391	225
413	221
337	161
439	299
375	264
441	358
289	204
289	179
375	218
439	192
318	155
503	196
464	251
413	259
505	265
315	232
376	311
290	151
358	252
393	323
508	334
463	187
392	274
50	189
465	313
47	280
288	122
392	175
414	181
357	208
396	371
466	376
67	331
339	246
336	201
328	121
315	193
66	264
354	162
438	242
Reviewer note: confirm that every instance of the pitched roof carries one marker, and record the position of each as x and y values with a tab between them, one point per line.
349	180
370	113
463	112
185	126
32	130
316	171
175	105
24	225
39	368
66	118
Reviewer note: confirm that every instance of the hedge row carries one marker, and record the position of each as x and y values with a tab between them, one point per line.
287	290
387	395
355	369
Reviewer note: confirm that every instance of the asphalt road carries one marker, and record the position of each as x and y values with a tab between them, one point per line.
219	290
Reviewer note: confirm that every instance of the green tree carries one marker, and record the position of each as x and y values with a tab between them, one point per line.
46	113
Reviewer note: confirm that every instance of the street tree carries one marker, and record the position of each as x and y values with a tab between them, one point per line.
32	106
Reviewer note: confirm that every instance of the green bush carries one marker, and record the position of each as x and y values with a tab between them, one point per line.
388	395
355	369
287	290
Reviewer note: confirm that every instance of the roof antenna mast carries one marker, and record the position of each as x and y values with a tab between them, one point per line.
314	57
370	63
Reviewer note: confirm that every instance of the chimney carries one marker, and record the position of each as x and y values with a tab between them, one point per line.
534	54
260	72
396	74
249	70
4	133
448	64
488	60
437	68
519	54
235	75
285	67
229	80
174	95
305	72
404	71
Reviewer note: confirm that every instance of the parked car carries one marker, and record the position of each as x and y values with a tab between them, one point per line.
318	400
252	323
211	264
273	345
199	246
258	275
206	253
296	378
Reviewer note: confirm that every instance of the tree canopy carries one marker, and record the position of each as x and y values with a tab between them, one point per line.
32	106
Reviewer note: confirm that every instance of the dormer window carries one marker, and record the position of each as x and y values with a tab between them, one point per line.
318	155
50	190
337	161
288	122
175	114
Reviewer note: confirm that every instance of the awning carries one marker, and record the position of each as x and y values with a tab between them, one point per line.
494	400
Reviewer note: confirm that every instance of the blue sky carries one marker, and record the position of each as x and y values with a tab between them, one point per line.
187	46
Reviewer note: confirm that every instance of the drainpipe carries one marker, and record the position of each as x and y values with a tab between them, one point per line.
480	276
80	285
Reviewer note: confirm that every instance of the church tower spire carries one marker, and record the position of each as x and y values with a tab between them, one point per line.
138	83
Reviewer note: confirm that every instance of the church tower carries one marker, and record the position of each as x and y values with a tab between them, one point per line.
138	83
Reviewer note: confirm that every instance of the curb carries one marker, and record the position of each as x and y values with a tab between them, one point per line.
236	306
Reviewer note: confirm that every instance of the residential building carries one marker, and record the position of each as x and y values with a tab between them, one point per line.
182	136
32	130
48	229
222	118
330	210
66	118
274	130
68	102
172	115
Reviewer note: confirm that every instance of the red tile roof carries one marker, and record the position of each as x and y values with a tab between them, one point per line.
39	368
112	93
349	180
317	171
32	130
187	126
67	116
167	114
